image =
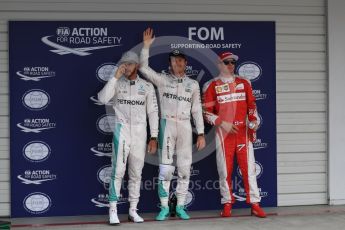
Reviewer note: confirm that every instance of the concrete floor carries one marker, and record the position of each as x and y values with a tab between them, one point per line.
297	217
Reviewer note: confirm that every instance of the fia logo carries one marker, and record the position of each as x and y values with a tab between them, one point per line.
63	31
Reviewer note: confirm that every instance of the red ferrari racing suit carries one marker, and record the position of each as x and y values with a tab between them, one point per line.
231	99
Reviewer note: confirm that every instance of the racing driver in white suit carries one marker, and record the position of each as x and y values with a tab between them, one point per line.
179	98
134	99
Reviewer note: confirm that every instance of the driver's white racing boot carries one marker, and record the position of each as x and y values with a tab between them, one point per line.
133	216
113	218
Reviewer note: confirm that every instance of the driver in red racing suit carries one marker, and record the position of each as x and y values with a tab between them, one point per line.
229	105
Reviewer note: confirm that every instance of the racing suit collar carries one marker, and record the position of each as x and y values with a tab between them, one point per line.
132	82
178	79
227	78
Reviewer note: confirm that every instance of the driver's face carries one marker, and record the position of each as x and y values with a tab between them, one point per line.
227	66
130	68
178	65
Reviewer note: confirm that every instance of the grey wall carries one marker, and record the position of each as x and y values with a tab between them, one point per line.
336	51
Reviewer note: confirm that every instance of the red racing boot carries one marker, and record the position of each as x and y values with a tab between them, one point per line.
258	211
226	210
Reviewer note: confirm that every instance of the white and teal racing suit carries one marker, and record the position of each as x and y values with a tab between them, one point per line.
134	100
179	100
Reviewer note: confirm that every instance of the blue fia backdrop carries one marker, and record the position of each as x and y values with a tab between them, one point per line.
60	134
